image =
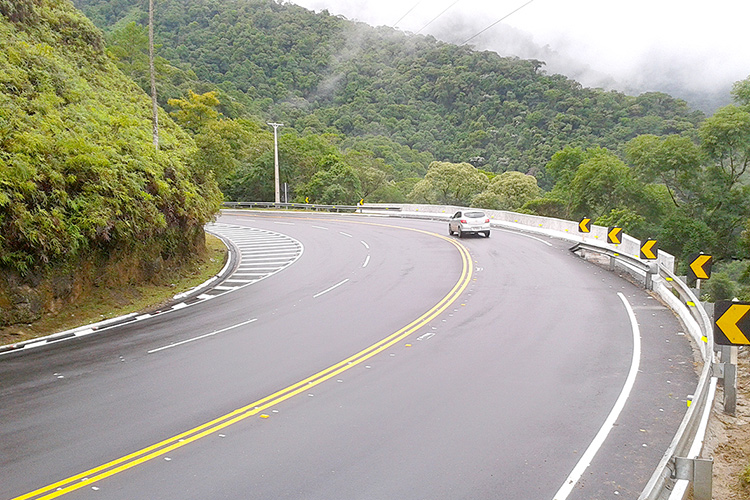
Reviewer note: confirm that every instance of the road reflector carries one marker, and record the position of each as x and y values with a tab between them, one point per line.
613	235
265	416
585	225
731	323
649	250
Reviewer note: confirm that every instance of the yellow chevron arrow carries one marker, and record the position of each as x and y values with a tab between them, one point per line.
614	235
585	225
647	251
697	266
727	323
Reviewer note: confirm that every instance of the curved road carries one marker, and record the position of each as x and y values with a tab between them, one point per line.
387	361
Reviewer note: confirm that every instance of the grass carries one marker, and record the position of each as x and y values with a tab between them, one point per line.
106	302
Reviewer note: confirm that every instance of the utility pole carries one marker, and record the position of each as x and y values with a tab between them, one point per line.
154	103
276	159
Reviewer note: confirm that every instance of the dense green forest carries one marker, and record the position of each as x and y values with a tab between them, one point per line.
319	73
81	185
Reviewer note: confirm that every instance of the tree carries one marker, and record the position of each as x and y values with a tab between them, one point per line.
725	137
335	183
741	92
602	183
514	189
195	112
673	160
449	184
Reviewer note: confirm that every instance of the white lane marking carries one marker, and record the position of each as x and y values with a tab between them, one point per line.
285	223
203	336
329	289
526	235
320	227
596	444
426	336
365	244
346	234
367	261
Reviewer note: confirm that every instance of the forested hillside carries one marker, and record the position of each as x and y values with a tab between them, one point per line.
388	116
84	195
321	73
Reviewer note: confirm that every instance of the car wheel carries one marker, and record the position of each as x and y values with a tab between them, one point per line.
460	233
450	231
486	234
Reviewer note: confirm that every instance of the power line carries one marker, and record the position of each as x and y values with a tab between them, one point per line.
497	22
436	17
408	12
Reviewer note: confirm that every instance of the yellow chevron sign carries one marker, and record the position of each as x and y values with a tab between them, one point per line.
649	250
731	323
613	235
585	225
700	266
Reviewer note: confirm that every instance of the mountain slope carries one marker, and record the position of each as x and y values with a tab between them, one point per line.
81	186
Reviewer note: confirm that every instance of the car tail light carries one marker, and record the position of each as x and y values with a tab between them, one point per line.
487	221
463	221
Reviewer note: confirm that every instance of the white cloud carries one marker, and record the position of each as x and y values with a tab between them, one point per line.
634	45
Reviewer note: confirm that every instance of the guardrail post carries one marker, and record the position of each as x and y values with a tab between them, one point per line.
699	471
729	360
653	268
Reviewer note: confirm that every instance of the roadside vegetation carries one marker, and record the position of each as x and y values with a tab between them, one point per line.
85	199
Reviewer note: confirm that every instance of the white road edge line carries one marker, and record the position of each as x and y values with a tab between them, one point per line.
329	289
346	234
365	244
596	444
367	261
203	336
320	227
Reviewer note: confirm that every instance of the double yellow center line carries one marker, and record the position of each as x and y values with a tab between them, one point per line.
104	471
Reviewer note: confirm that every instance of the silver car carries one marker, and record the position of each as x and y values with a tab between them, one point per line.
469	222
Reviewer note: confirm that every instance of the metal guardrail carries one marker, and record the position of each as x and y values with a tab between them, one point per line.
648	269
663	481
676	459
307	206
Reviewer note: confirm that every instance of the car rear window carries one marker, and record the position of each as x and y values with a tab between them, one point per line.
474	215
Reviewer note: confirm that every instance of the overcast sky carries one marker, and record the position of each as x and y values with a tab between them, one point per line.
686	48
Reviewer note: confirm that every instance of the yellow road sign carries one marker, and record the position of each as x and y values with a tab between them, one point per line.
585	225
649	250
614	235
731	323
700	266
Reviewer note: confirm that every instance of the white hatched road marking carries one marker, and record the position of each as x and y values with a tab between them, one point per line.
261	254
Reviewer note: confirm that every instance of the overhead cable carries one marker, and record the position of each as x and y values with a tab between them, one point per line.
436	17
407	13
497	22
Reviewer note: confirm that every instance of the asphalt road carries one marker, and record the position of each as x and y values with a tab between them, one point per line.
388	361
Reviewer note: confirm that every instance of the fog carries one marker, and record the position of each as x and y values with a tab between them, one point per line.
689	49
